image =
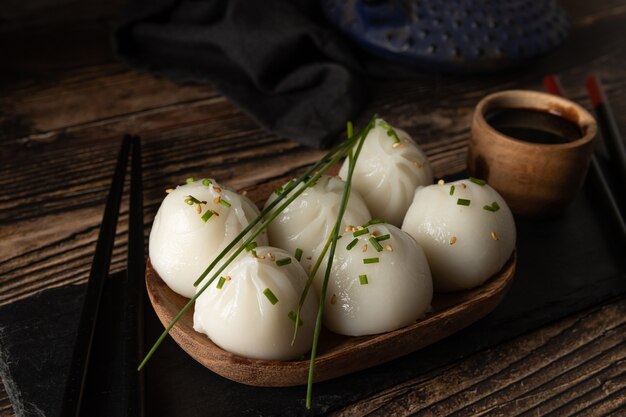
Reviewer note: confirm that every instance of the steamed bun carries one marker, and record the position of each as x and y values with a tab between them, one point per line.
375	287
389	169
250	311
466	230
184	240
307	222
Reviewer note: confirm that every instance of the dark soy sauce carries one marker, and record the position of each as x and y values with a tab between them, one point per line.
533	125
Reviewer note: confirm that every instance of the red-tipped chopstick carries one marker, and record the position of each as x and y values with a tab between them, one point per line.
75	385
608	128
553	86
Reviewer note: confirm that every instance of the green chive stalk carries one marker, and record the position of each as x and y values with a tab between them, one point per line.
320	312
330	159
290	186
309	282
320	258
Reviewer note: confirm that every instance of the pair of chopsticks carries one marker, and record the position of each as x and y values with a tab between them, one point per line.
134	288
613	141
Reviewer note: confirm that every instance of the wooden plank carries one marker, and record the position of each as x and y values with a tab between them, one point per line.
94	93
6	410
575	365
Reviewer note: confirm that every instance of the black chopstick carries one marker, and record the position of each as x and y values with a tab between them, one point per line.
72	399
608	128
134	289
553	86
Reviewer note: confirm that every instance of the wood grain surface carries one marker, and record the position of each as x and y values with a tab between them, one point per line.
65	102
576	366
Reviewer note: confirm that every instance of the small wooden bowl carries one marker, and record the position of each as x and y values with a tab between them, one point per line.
337	355
535	179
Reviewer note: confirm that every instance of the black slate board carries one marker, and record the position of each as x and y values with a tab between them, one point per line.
564	265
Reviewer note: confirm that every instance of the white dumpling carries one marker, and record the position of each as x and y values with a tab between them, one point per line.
466	230
182	244
307	222
389	169
365	298
253	313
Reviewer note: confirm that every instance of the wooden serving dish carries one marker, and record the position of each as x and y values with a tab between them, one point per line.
337	355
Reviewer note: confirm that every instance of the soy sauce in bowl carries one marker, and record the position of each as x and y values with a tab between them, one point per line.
534	126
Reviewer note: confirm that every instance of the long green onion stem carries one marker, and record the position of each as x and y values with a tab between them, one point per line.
330	159
330	156
309	281
321	256
331	254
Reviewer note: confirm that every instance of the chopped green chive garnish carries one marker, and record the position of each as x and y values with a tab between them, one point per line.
298	255
349	129
363	279
375	244
250	246
452	190
292	316
190	180
361	232
192	200
253	252
370	260
493	207
283	261
207	215
220	283
278	190
463	202
224	203
392	134
390	131
270	296
383	237
373	221
352	244
477	181
206	181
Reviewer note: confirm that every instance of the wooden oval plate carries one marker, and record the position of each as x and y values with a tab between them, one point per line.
337	355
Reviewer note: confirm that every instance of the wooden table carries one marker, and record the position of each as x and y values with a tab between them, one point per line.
65	102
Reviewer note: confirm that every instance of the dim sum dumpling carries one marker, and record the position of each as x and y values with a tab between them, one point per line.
389	169
194	223
307	222
250	310
466	230
375	287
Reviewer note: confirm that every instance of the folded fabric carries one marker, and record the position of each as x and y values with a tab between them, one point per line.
276	59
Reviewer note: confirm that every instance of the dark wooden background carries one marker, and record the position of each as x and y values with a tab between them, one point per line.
66	101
